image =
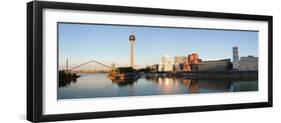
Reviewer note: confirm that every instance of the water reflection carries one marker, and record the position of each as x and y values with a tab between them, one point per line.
123	83
168	85
99	85
192	86
67	82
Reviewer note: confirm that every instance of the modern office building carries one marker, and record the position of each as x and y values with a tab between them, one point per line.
178	67
249	63
132	39
235	59
178	63
179	59
166	64
215	65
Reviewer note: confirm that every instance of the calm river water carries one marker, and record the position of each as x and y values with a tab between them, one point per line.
98	85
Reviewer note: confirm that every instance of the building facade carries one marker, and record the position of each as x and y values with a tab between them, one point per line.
249	63
190	61
186	65
178	67
166	64
178	63
215	65
179	59
235	59
193	59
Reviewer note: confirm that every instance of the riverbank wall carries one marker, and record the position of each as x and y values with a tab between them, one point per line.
233	75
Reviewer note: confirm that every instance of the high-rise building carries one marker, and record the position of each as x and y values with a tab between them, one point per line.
132	39
235	59
166	64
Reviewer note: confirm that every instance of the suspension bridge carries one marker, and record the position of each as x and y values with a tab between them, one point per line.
88	62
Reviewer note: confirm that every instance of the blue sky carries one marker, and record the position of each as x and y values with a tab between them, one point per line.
110	43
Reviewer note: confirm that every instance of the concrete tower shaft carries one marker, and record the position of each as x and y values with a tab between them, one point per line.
132	39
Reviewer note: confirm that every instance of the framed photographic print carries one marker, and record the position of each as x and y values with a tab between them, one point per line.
94	61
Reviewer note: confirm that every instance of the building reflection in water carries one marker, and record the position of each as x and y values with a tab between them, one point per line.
191	85
98	85
168	85
196	86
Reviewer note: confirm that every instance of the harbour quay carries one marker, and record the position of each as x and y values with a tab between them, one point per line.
233	75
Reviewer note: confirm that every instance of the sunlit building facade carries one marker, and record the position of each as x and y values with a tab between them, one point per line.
191	61
166	64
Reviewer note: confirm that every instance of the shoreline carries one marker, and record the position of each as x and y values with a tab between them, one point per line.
201	75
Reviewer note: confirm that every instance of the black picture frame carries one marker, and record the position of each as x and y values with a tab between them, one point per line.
35	69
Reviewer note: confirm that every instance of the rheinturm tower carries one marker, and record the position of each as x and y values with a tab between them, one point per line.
132	39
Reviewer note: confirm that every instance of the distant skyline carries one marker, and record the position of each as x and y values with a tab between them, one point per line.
110	44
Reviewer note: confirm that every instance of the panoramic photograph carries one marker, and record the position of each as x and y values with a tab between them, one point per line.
106	60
